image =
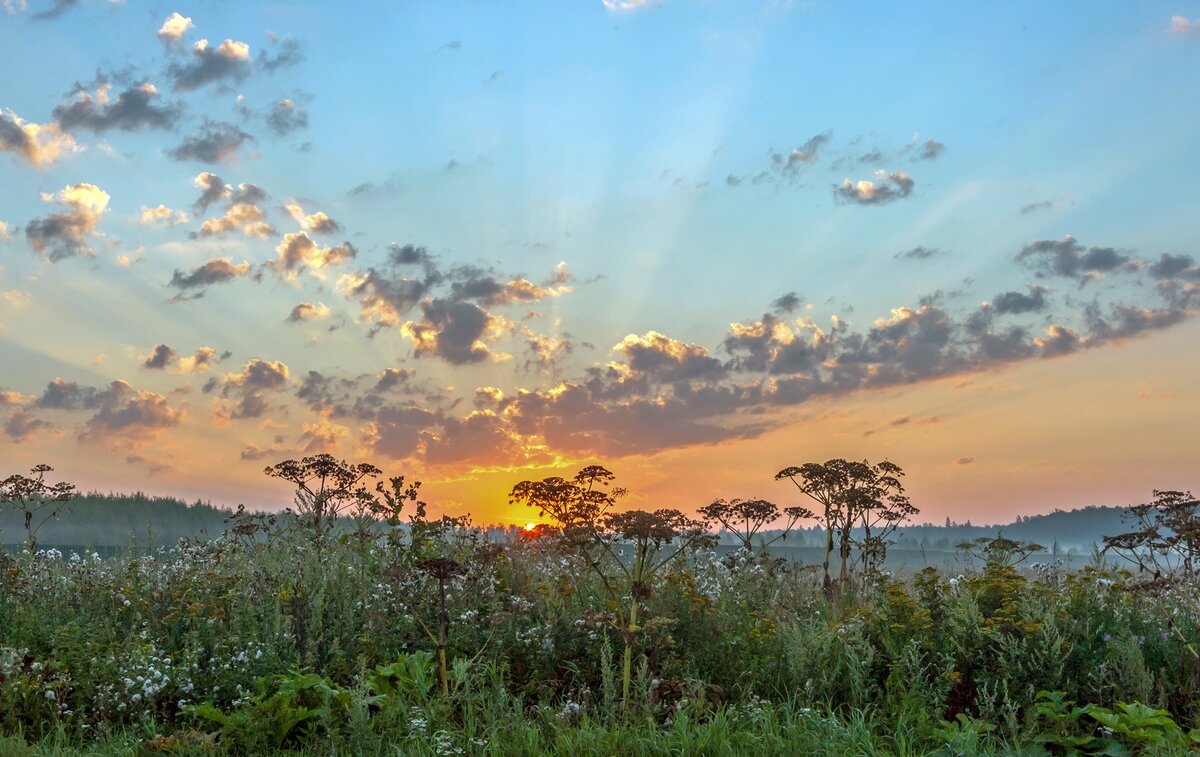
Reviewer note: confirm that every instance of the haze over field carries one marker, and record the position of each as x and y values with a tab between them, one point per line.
695	241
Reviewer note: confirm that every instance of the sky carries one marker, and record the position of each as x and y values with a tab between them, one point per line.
695	241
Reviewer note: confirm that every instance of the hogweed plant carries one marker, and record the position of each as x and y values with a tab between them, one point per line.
861	504
745	518
36	500
580	508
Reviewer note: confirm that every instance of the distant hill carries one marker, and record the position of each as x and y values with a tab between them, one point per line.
117	520
1076	530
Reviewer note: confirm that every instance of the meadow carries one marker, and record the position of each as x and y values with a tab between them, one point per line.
358	625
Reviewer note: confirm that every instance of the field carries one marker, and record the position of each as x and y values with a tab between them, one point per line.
630	633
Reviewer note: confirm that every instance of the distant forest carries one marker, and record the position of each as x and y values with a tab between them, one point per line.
119	520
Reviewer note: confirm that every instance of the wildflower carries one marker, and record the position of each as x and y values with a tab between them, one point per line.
51	695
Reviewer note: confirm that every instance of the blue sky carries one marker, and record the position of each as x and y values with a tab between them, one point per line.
684	160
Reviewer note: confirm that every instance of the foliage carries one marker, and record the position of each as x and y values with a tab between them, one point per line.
622	633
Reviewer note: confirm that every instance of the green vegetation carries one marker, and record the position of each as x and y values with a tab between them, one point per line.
609	632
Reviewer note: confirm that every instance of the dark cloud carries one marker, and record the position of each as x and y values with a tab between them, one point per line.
66	395
128	412
1067	257
1059	340
253	453
216	141
282	53
55	9
799	158
930	150
159	358
664	359
396	430
63	235
788	303
409	255
1175	266
481	437
920	253
1034	207
212	190
1020	302
22	425
37	144
884	188
250	387
286	116
135	108
215	271
452	330
228	61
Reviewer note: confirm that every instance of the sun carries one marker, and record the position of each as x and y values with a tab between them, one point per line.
530	526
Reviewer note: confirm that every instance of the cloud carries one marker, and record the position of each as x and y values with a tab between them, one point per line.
252	453
5	234
306	311
665	359
244	217
481	437
213	190
135	108
317	223
22	425
627	5
1181	25
544	352
56	9
286	117
884	188
453	330
200	361
798	158
1019	302
920	252
1059	340
283	53
162	216
215	271
298	252
66	395
216	141
40	145
1067	257
159	358
63	235
788	303
174	28
250	386
930	150
964	461
229	60
1035	207
134	414
1175	266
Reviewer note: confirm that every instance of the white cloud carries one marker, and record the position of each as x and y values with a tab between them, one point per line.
1181	25
174	28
